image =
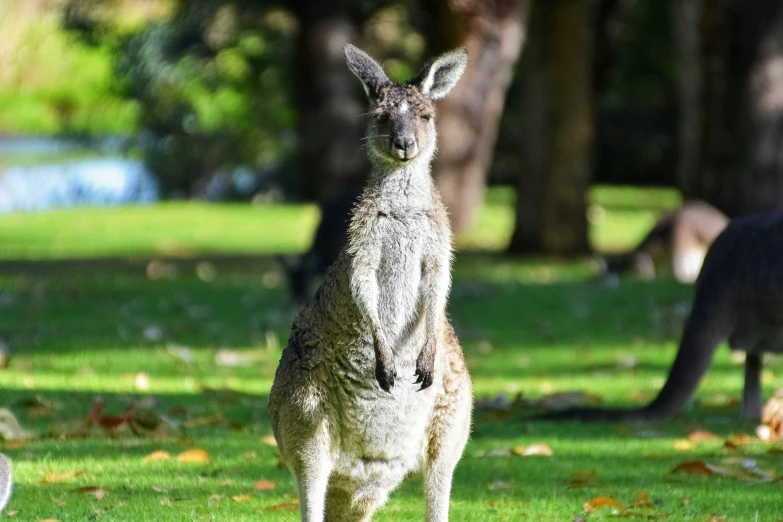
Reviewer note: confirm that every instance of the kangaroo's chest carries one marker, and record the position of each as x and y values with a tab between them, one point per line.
405	243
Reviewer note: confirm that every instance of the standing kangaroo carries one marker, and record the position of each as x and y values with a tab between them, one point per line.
739	298
680	237
350	422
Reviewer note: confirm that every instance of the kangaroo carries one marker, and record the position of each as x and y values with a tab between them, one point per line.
330	238
350	421
739	298
5	481
680	237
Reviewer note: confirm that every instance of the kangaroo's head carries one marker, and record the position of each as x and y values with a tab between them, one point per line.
402	116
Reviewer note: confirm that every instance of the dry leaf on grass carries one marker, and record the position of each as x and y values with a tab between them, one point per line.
693	467
157	455
51	476
748	471
535	449
285	506
264	485
701	436
643	501
241	498
194	455
269	440
736	441
97	491
599	502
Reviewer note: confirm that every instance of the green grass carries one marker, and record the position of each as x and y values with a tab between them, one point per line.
84	329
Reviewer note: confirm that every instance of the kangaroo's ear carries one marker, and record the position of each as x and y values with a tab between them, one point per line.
439	76
366	69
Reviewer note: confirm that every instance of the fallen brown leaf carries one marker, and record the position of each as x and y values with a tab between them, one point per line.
587	507
643	500
598	502
51	476
537	449
694	467
241	498
736	441
95	412
265	485
157	455
97	491
112	422
194	455
701	436
285	506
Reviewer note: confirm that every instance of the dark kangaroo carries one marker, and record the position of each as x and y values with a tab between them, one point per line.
330	238
739	298
680	238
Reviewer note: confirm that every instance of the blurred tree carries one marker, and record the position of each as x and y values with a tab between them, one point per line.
211	92
493	32
731	106
557	131
328	99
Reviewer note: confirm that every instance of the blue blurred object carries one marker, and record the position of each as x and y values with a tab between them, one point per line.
94	182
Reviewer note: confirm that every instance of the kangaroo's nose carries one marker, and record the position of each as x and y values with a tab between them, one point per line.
404	144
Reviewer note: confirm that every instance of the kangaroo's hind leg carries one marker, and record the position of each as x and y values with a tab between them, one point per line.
310	463
448	435
751	392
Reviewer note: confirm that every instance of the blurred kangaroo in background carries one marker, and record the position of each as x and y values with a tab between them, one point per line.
330	238
680	238
350	422
5	481
739	298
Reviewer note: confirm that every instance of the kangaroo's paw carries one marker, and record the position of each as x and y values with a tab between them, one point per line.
425	368
386	373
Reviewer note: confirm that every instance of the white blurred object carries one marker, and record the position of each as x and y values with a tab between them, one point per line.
94	182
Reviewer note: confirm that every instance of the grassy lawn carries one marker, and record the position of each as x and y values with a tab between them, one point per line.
193	341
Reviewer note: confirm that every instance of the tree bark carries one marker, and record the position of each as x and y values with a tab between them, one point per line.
493	31
557	134
329	99
735	130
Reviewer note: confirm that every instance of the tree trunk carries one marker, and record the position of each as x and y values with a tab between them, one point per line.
737	164
557	134
329	100
493	32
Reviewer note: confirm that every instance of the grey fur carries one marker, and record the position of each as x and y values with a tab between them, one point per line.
5	481
349	421
366	69
739	298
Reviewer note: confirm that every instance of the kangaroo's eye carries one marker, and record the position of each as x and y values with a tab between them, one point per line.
426	117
